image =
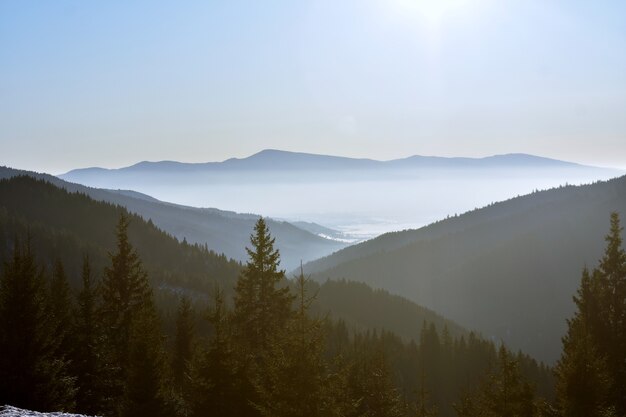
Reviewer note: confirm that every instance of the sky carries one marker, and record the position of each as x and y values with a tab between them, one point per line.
111	83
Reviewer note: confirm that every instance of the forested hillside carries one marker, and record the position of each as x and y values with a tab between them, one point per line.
102	351
63	224
508	270
222	231
106	345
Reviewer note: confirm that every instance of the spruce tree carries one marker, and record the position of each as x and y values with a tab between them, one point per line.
88	362
60	311
504	392
125	292
294	380
582	378
593	360
612	273
184	341
32	375
371	386
262	310
262	301
131	329
143	388
218	386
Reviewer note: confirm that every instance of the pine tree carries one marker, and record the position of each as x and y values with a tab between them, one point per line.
143	390
503	393
372	388
31	374
183	353
582	379
262	301
217	386
88	352
262	309
612	272
422	407
125	291
60	311
294	380
131	330
591	374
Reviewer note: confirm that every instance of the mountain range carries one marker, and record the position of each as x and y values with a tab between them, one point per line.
361	197
272	160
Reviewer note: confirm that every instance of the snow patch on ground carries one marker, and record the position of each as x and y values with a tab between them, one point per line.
8	411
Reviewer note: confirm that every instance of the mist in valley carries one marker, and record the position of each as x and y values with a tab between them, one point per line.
361	204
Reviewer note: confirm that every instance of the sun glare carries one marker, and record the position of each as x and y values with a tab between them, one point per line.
431	10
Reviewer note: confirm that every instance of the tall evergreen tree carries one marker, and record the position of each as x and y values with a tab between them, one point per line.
183	342
503	393
295	381
591	374
87	353
262	301
182	356
60	311
582	378
143	388
372	388
612	275
31	374
218	387
131	329
262	309
125	292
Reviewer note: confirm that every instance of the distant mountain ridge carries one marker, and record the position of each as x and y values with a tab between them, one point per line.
271	159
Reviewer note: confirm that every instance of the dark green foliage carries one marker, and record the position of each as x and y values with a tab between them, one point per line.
422	406
262	307
60	311
32	373
131	331
143	387
363	307
504	392
270	356
183	343
295	381
262	301
371	386
591	375
182	355
217	381
88	351
125	293
66	224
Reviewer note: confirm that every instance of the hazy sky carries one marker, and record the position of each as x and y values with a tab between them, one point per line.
110	83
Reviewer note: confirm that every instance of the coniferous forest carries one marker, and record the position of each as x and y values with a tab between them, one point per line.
97	334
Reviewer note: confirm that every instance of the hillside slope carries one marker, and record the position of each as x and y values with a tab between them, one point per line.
65	225
508	270
222	231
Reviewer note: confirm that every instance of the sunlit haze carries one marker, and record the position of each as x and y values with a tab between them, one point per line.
113	83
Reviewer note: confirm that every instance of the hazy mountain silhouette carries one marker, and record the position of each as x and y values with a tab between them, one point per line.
364	196
222	231
508	270
271	160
